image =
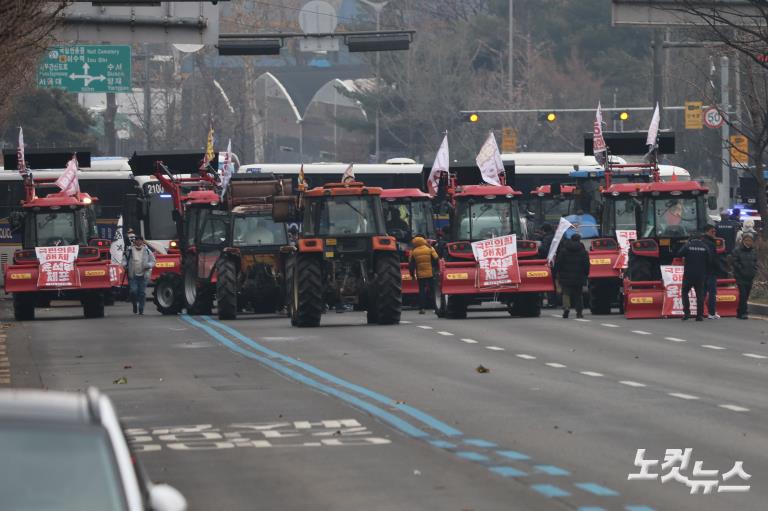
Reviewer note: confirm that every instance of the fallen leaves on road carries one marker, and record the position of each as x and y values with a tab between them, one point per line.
120	381
482	369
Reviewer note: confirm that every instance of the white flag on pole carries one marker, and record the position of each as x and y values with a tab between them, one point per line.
228	169
117	248
21	164
349	174
563	226
653	129
442	164
68	180
489	161
598	141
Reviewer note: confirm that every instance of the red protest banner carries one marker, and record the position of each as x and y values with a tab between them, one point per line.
57	266
497	261
672	276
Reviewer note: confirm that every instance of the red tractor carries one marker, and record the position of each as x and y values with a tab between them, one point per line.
672	212
481	212
62	228
408	213
343	254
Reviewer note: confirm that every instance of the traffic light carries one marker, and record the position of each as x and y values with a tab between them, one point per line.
470	117
623	115
548	116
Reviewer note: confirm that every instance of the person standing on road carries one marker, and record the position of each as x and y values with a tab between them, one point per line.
571	271
420	267
744	270
547	235
727	228
714	270
139	263
698	262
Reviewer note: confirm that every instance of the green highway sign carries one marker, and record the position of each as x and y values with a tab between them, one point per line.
86	68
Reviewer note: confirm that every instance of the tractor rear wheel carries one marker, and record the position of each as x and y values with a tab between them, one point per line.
526	305
93	305
226	289
440	298
168	294
388	284
24	306
197	300
455	308
307	293
600	298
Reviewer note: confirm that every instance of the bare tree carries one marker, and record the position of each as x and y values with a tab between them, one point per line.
742	27
26	32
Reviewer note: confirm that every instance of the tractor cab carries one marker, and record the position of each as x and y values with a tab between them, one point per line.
59	220
408	213
349	210
672	213
549	203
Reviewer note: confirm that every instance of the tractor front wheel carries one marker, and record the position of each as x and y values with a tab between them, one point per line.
168	294
197	300
307	293
24	306
388	284
226	290
93	305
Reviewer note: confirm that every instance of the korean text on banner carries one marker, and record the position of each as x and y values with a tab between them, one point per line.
624	237
672	276
497	261
57	266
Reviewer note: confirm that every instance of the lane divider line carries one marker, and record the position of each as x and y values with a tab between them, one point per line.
494	348
682	396
712	347
597	489
395	421
675	339
442	332
734	408
583	320
609	325
425	327
754	355
469	341
631	383
556	365
641	332
422	417
525	356
592	373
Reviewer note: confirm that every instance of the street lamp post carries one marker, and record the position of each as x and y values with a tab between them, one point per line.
377	8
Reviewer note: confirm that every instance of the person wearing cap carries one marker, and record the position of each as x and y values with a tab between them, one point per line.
744	271
747	228
139	263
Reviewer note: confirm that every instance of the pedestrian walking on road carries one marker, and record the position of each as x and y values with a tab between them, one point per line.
139	263
715	269
571	271
420	267
744	270
698	262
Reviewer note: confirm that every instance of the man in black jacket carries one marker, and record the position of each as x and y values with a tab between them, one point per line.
727	228
547	234
698	263
744	270
716	269
571	271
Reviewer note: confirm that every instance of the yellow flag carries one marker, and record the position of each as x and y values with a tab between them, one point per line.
209	154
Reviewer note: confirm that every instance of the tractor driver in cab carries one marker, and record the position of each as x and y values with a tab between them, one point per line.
396	222
674	213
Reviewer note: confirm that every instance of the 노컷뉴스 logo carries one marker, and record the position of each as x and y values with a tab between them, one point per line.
676	468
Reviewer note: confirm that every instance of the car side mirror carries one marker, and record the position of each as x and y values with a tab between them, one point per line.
163	497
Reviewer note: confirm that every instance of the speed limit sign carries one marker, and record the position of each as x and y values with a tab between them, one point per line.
712	118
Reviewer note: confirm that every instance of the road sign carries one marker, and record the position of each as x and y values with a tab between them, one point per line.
739	150
693	115
86	68
712	118
508	140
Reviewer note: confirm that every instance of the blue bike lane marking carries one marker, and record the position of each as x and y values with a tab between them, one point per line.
270	359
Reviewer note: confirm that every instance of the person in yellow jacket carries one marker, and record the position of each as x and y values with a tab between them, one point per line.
420	266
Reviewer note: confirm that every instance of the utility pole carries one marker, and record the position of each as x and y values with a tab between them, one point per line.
511	56
658	71
109	124
147	101
724	195
377	8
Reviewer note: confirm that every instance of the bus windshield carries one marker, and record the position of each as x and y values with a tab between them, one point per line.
338	216
158	223
258	230
672	218
486	220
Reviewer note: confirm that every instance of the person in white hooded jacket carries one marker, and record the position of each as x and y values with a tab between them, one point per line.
747	228
139	262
